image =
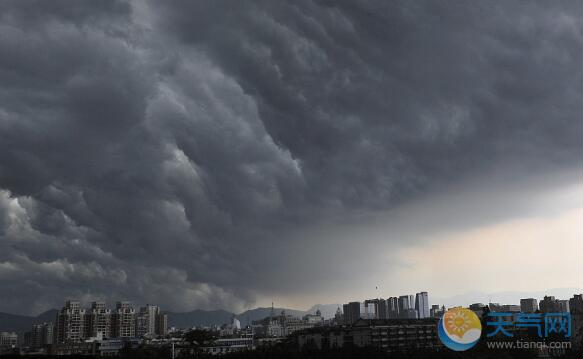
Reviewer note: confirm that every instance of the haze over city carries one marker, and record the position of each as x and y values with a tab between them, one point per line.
227	155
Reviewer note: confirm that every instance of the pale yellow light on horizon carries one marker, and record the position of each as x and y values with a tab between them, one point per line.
522	255
537	249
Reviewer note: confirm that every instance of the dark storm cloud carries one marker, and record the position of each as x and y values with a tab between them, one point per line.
169	152
398	88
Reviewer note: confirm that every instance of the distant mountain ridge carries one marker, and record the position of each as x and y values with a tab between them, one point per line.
198	318
218	317
207	318
22	323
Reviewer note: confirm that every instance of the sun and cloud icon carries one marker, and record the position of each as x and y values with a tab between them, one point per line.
459	329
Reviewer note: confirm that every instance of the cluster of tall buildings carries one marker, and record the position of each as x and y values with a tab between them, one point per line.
403	307
417	307
75	324
549	304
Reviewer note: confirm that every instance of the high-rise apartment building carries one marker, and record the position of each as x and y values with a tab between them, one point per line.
41	335
99	321
75	324
162	324
351	312
422	305
368	309
404	302
528	305
382	309
71	326
338	317
146	320
576	304
124	320
550	304
374	309
393	308
564	306
407	307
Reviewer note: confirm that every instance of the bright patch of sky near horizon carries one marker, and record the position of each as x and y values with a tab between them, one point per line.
534	249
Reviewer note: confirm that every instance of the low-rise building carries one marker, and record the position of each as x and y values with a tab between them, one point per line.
229	345
8	339
478	308
436	311
315	318
74	348
112	347
325	337
385	334
505	308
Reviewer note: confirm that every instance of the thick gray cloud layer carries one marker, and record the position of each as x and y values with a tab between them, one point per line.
172	152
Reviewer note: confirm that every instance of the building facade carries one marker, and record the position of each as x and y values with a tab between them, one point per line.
368	309
528	305
390	335
124	320
76	325
99	319
550	304
8	339
162	324
393	308
576	304
229	345
146	320
436	311
422	305
351	312
71	327
41	335
374	309
407	307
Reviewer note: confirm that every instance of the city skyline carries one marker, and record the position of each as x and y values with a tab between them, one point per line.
198	156
99	329
512	299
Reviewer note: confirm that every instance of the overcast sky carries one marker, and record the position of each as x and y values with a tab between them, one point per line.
226	154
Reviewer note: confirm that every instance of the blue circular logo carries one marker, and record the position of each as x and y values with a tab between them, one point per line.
459	329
